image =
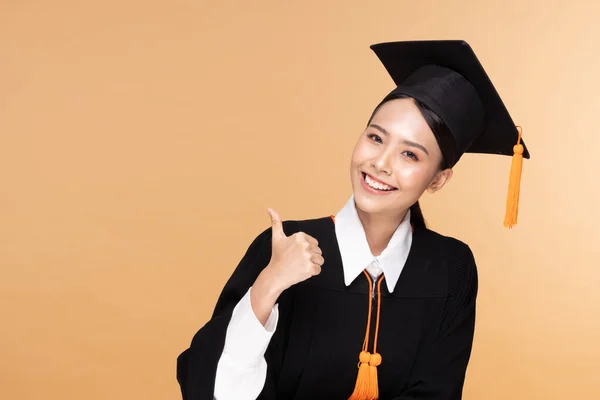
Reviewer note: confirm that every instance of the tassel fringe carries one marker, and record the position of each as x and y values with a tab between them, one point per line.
514	184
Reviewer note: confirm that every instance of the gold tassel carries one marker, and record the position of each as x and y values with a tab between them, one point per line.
514	184
363	388
373	364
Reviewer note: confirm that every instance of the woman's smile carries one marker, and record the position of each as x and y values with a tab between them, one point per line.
375	186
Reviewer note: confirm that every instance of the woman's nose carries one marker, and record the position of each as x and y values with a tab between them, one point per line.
383	162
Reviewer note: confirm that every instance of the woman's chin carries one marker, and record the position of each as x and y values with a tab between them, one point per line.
370	204
386	205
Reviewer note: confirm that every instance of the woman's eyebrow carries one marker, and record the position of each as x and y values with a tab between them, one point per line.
406	142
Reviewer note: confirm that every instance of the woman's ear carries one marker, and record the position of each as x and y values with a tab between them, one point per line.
439	180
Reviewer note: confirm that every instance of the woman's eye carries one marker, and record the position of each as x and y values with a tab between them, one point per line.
375	138
411	155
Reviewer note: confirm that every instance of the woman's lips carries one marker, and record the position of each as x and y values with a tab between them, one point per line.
380	187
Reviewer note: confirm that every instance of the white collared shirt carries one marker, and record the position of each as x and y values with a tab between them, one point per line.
242	369
355	251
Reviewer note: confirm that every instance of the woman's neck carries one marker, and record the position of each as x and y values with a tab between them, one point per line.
379	229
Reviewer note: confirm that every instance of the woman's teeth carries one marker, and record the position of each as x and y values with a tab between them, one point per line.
376	185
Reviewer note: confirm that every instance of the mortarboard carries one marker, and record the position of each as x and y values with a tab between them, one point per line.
447	77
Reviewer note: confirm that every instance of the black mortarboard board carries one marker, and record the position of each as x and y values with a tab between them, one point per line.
447	77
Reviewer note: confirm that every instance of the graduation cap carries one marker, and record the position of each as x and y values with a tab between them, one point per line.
447	77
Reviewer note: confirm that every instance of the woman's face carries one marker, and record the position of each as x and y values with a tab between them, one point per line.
395	160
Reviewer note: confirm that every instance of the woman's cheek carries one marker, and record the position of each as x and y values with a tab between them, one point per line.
359	154
410	176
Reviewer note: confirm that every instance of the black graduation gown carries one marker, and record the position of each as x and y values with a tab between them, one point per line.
425	336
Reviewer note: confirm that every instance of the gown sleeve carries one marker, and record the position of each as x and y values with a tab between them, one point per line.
439	372
197	365
242	368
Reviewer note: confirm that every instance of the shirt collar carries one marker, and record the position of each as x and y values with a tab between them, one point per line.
356	254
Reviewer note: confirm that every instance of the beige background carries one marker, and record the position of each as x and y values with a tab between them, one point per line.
141	143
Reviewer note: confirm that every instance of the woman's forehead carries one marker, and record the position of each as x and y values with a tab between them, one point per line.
402	117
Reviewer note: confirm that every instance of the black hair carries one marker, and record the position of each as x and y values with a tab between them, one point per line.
444	139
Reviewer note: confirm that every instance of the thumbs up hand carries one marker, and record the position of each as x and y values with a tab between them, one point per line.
294	259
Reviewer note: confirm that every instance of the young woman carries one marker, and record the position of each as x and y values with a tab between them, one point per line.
369	303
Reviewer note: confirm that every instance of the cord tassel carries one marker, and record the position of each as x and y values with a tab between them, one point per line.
374	382
514	184
363	389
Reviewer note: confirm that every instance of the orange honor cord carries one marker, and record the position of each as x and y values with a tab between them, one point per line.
367	386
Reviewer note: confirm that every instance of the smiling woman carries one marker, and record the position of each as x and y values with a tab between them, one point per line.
306	302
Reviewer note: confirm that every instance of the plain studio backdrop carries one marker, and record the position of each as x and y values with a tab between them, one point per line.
141	143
